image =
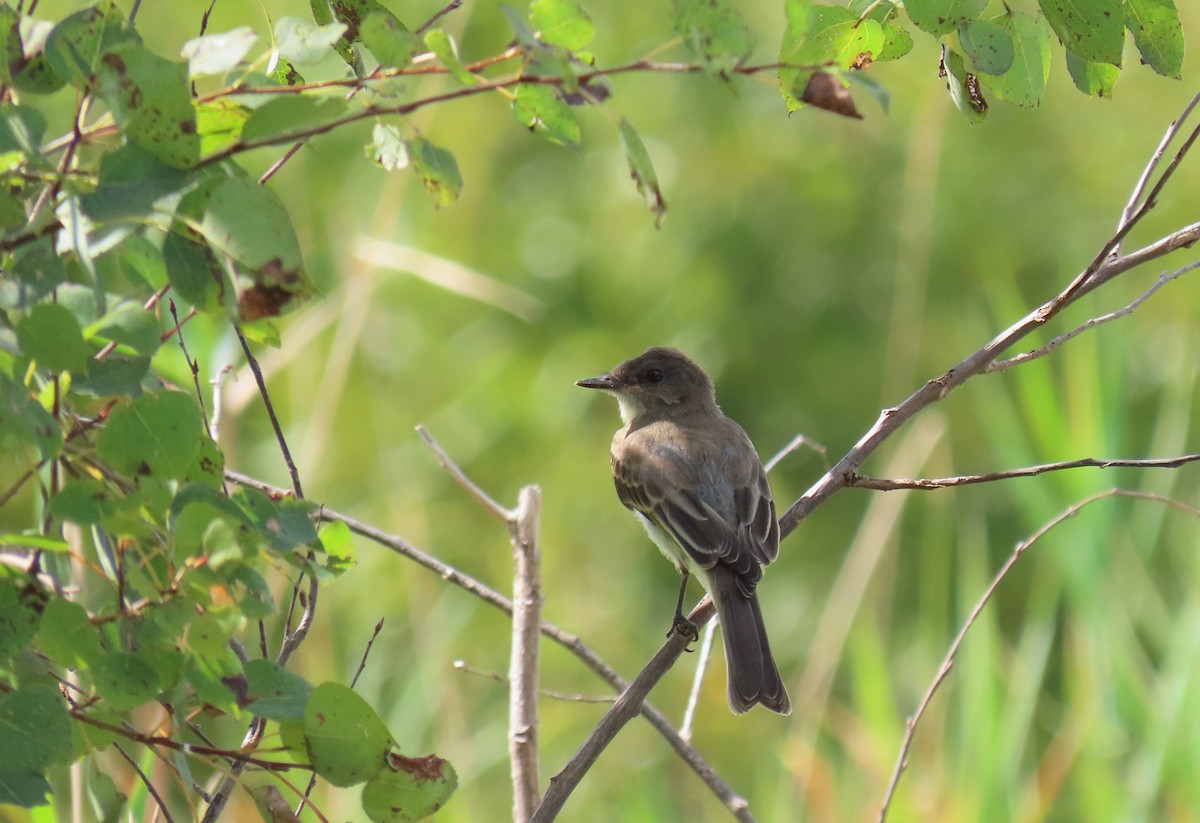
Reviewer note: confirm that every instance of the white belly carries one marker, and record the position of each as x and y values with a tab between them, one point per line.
672	550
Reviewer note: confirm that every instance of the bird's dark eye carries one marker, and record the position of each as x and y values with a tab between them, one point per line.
654	375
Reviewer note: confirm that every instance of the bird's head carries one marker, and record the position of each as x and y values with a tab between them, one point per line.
662	382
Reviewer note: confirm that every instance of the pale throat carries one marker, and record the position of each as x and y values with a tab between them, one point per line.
630	408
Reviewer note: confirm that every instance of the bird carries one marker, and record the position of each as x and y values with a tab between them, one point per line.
693	478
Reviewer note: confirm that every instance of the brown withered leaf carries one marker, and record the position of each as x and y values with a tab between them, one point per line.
825	91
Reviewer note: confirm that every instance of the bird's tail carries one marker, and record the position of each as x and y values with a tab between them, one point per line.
752	675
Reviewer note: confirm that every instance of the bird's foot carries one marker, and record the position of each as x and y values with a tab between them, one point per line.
682	626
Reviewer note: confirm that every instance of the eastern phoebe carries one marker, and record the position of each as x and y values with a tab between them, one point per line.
694	480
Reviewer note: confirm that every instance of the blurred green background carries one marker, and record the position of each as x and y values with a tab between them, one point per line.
820	269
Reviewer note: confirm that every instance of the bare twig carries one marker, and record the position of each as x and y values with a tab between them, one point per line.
523	524
1163	279
948	662
689	713
1140	187
449	7
892	419
362	664
262	390
859	481
626	708
193	365
495	509
147	782
523	665
568	641
463	666
795	443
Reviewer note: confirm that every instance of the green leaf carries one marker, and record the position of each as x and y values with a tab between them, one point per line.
1025	81
823	36
18	624
338	545
219	123
117	374
987	45
897	42
938	17
128	324
132	181
134	266
1158	34
1093	29
151	100
24	422
75	45
290	113
37	729
23	788
34	541
410	789
964	87
249	223
713	32
194	272
67	635
23	63
39	268
539	109
209	634
276	693
641	169
217	53
562	23
303	43
345	739
51	336
21	129
286	523
387	149
438	169
388	39
125	680
1096	79
84	502
446	50
157	434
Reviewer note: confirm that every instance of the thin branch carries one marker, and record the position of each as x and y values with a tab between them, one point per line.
795	443
1163	279
404	109
495	509
187	748
362	664
948	662
568	641
1100	271
193	365
162	804
449	7
262	390
1140	187
859	481
625	709
689	713
465	668
523	668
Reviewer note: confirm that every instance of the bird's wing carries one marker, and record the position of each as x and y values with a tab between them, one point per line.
704	503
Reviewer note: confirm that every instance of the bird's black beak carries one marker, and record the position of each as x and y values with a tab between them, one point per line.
604	381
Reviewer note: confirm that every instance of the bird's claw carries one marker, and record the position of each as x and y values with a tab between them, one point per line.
681	625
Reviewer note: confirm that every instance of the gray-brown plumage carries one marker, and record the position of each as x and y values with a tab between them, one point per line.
695	481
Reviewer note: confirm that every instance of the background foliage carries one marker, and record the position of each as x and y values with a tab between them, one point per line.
819	267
